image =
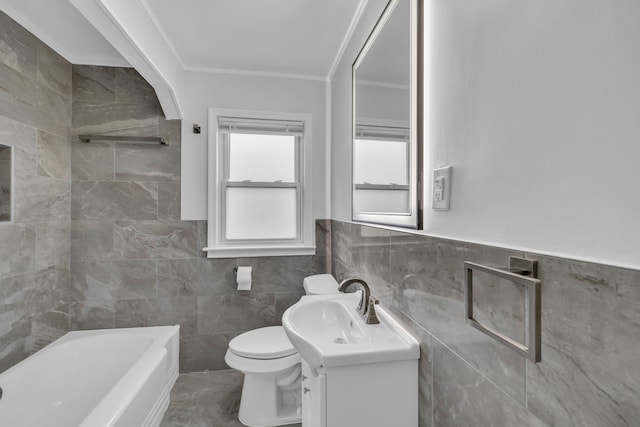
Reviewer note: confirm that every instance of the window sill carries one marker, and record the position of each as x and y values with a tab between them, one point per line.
259	251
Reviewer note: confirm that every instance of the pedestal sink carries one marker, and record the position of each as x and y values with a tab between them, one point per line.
354	374
327	331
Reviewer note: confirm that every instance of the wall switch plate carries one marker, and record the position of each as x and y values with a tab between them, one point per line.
441	188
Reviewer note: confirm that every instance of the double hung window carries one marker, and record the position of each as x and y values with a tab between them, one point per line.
259	195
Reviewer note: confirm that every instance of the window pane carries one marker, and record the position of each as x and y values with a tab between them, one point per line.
380	162
263	158
261	213
381	201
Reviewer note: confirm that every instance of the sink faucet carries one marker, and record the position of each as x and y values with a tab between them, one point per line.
366	308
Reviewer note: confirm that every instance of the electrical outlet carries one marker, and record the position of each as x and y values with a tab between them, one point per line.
441	188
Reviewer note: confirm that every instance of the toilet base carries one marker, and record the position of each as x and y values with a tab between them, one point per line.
265	404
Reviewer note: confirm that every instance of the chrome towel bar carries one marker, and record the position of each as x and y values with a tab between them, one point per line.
89	138
522	272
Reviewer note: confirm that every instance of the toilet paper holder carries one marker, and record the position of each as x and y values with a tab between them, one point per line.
243	277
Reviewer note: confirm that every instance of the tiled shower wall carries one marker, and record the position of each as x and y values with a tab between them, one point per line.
134	262
35	112
589	375
97	240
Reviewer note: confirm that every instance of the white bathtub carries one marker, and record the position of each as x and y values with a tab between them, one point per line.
101	378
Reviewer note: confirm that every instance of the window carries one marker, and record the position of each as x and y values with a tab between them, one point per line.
258	172
381	189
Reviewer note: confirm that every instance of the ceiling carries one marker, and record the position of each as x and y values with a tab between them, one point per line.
302	38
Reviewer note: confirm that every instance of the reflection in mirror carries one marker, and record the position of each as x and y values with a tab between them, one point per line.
386	148
6	155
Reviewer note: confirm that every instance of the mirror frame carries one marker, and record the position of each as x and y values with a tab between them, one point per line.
414	218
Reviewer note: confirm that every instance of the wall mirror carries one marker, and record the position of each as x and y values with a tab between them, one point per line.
6	184
386	121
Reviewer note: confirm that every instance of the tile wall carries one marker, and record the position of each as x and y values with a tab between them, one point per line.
97	240
134	262
589	375
35	113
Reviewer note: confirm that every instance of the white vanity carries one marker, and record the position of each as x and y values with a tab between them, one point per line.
354	374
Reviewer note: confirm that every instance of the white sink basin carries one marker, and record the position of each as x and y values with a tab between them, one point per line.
327	331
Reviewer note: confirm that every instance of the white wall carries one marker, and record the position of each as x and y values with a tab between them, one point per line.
272	94
536	106
341	94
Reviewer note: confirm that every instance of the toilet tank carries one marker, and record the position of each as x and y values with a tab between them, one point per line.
320	284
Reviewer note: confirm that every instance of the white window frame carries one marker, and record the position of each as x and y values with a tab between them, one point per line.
217	245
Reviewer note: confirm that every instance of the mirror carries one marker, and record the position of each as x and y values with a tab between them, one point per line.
386	144
6	163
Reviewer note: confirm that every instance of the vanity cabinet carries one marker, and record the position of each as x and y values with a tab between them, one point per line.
365	395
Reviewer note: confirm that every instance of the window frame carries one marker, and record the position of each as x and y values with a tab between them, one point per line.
218	245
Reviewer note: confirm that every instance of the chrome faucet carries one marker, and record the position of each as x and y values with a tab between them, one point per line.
366	308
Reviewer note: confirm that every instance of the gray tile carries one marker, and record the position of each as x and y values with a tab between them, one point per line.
14	339
48	327
94	161
279	274
170	130
33	103
157	312
197	277
202	239
131	88
53	70
463	397
91	240
152	162
425	367
93	118
341	245
94	83
235	313
20	256
92	200
205	399
54	156
135	279
169	201
92	314
428	275
284	300
323	237
114	119
23	138
588	375
53	245
204	352
113	280
41	199
46	300
18	47
92	281
155	240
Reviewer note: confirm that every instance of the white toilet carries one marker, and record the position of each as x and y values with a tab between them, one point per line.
271	368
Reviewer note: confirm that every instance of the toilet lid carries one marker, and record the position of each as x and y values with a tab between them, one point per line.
264	343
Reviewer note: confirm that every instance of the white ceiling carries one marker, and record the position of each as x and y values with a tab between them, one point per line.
301	38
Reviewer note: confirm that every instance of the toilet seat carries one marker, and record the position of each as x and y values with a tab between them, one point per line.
266	343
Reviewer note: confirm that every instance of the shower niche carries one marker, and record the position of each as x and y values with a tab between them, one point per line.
6	182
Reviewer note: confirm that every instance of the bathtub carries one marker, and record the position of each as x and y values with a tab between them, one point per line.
100	378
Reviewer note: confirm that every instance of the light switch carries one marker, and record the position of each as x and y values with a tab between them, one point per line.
441	188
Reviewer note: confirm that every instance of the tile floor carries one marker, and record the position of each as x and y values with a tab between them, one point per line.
205	399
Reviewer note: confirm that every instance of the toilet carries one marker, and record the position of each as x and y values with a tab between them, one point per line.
271	368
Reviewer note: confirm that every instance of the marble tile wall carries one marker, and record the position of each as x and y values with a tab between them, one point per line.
35	115
134	263
589	374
